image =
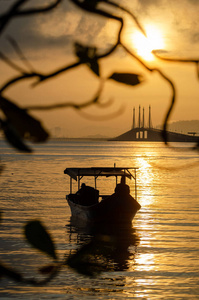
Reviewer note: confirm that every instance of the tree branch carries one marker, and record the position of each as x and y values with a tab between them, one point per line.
15	12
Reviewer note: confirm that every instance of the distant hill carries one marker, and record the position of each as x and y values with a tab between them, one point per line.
96	136
184	126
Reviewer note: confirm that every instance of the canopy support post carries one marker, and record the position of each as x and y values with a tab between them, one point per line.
70	185
135	185
78	183
95	182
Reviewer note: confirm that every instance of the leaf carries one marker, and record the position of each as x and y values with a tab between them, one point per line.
89	5
94	66
25	125
13	137
47	269
88	55
80	50
127	78
38	237
85	52
5	271
92	258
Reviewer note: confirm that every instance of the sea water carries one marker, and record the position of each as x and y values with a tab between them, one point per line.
156	259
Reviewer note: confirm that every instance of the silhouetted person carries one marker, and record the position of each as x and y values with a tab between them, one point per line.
88	195
122	187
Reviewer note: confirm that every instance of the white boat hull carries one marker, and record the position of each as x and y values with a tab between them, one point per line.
113	209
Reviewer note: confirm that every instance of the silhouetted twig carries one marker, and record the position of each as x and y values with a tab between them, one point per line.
86	55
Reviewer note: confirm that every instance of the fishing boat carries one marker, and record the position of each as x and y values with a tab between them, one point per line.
88	204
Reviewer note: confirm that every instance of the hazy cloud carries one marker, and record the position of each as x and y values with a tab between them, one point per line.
57	29
178	19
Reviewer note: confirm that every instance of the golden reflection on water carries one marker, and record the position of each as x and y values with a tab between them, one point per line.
155	259
145	182
144	261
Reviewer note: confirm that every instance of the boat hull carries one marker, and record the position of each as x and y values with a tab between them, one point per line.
114	209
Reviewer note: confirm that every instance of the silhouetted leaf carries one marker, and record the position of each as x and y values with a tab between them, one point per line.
85	265
127	78
92	3
38	237
47	269
94	66
85	52
87	4
13	137
93	258
26	126
8	272
80	50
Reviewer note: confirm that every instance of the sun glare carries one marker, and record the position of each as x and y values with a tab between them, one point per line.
144	45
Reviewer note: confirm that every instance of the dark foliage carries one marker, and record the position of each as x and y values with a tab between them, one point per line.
19	126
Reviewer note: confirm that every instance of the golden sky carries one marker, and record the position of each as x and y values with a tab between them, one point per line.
47	42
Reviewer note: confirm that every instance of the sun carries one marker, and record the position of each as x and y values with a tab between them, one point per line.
144	45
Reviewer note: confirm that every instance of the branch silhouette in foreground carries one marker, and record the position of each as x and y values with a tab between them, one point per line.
19	126
85	55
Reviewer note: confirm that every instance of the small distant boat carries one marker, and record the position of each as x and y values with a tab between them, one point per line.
89	205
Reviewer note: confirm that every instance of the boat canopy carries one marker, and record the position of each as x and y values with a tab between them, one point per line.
76	173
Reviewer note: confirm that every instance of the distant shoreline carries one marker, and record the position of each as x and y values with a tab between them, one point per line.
78	139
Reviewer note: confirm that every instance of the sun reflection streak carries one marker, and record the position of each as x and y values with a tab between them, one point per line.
144	259
145	262
145	182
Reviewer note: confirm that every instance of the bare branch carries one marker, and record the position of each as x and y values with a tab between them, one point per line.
19	52
39	10
16	79
42	77
91	6
39	76
173	100
137	58
5	19
173	97
83	55
172	59
10	63
16	12
128	12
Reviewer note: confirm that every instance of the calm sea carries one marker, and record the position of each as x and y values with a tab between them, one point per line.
158	258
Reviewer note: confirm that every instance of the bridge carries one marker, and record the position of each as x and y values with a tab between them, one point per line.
143	133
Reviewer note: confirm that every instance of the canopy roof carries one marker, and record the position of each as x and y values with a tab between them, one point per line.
95	172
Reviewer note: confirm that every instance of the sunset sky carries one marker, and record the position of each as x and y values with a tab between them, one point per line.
47	42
